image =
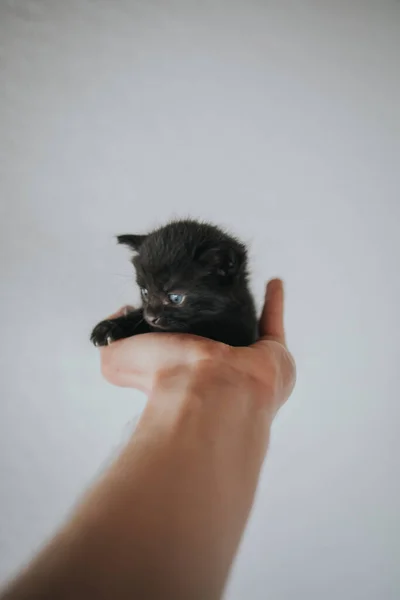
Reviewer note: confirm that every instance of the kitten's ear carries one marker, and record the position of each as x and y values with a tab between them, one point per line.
132	241
223	260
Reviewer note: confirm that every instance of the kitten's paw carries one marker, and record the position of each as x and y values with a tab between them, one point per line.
106	332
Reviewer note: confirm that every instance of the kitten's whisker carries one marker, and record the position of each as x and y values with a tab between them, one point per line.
138	323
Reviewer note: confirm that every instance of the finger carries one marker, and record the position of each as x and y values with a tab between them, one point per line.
126	363
271	323
123	311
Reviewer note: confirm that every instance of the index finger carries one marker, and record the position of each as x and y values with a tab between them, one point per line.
271	323
122	312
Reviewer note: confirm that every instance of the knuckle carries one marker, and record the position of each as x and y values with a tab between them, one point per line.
208	350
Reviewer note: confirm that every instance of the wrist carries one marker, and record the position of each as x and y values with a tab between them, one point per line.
214	385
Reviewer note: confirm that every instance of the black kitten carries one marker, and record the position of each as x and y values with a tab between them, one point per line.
193	279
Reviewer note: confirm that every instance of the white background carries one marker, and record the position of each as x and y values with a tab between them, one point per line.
278	119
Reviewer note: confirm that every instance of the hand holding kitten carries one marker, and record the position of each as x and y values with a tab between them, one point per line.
140	361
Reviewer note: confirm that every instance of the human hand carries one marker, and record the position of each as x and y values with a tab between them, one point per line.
138	361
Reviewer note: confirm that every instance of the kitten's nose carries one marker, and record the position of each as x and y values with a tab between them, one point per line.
152	318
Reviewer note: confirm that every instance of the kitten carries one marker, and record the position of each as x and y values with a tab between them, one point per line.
193	279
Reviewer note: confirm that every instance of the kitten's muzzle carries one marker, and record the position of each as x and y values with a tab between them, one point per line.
153	318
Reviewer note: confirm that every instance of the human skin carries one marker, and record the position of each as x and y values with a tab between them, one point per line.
165	520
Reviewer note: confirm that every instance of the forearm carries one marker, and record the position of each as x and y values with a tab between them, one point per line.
166	519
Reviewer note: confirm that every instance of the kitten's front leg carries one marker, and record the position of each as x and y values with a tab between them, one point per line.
111	330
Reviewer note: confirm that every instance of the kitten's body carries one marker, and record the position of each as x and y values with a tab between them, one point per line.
203	270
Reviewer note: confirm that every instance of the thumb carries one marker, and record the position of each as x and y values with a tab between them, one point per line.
271	322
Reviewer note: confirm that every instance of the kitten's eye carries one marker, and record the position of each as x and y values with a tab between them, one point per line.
176	298
144	292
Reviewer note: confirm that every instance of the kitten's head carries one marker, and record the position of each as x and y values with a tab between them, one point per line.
187	272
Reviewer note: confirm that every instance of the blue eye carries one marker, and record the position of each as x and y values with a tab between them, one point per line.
176	298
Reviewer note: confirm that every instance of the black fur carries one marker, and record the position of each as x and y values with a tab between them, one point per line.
200	262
